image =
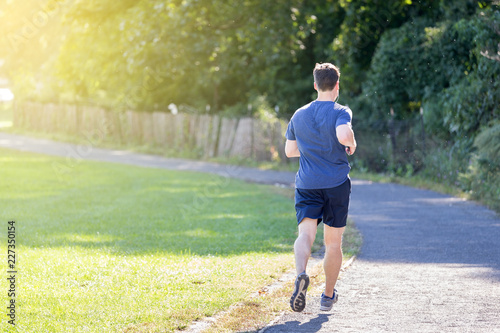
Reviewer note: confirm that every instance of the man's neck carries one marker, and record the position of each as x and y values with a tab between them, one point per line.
327	96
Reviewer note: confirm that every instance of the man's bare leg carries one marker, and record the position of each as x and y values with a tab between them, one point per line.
333	257
303	244
302	249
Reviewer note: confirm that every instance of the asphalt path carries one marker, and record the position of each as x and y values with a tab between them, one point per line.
429	262
73	153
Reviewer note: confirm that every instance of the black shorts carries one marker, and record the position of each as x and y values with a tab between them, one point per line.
329	205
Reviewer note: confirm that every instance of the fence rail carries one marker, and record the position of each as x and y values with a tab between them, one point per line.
201	135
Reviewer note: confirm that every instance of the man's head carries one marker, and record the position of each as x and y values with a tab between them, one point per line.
326	76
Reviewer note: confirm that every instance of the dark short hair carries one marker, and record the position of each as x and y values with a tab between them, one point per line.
326	76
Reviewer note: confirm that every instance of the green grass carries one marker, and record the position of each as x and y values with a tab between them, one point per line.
107	248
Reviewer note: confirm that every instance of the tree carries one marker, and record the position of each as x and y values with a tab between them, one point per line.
364	24
194	52
32	34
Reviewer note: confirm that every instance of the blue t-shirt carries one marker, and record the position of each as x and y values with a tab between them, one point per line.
323	160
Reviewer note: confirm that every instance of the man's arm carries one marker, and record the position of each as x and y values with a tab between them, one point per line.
291	148
345	135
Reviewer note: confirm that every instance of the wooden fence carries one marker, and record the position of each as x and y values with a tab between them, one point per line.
202	136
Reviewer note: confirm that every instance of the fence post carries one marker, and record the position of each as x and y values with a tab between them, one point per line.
423	129
392	135
215	135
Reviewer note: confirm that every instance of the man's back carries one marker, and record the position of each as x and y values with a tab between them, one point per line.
323	161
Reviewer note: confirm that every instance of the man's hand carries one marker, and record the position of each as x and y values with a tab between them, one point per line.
345	135
350	150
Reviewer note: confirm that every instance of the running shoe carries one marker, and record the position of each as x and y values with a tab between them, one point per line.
327	302
298	300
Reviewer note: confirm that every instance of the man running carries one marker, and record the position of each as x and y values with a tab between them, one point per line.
320	133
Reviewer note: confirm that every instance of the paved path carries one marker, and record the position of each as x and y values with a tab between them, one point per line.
429	262
74	152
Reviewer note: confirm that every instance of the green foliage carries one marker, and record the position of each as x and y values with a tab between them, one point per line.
474	99
364	24
196	52
373	152
449	70
413	63
315	24
446	161
439	57
31	36
458	9
483	176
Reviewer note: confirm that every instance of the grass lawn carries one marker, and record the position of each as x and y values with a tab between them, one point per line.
103	247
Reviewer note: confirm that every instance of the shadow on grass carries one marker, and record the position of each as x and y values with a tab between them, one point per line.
231	223
131	210
126	232
222	244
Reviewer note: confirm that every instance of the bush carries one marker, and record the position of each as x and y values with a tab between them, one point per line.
483	176
373	152
446	161
473	100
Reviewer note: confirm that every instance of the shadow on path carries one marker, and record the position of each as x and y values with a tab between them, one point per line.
313	325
